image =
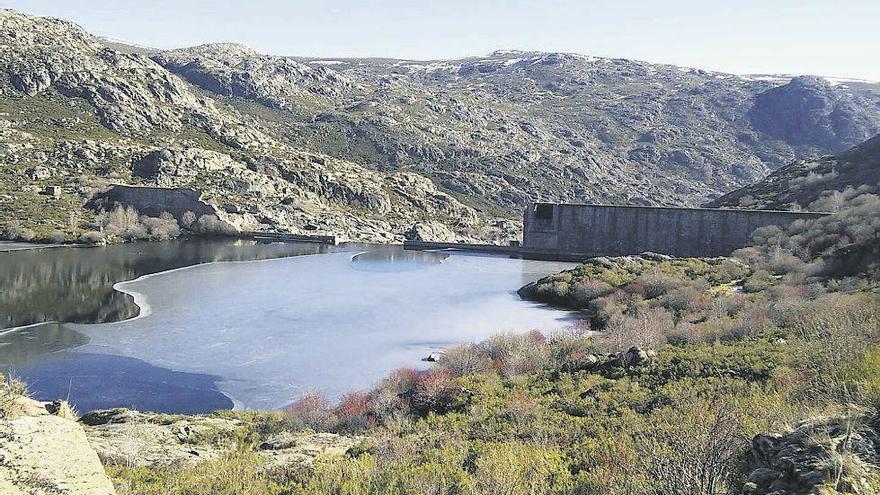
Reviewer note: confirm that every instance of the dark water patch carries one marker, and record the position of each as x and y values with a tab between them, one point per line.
75	285
101	381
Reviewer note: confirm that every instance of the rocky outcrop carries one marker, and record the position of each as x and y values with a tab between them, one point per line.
41	453
235	70
153	201
132	438
824	455
430	231
614	364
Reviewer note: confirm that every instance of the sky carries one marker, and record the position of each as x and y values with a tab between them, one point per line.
822	37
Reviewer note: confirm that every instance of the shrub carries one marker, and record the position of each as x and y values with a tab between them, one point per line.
123	222
657	283
752	322
465	360
311	411
11	391
572	352
353	414
188	219
687	299
647	328
18	233
581	293
517	469
92	237
211	225
403	381
162	228
514	355
233	473
758	281
56	237
690	449
436	391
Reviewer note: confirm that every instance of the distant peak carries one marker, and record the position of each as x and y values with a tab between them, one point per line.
508	53
226	48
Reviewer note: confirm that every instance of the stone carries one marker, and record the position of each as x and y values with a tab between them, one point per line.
433	357
430	231
49	454
38	173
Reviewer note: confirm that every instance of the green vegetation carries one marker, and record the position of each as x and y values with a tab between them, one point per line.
731	348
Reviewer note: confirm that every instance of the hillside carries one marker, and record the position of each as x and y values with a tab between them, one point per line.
500	129
77	114
822	183
379	149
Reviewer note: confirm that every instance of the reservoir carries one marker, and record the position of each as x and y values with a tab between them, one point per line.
199	325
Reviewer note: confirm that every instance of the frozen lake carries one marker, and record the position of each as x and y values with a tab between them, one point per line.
259	334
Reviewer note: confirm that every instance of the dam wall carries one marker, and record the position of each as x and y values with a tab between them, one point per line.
573	231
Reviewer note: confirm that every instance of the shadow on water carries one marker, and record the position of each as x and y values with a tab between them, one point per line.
76	284
99	381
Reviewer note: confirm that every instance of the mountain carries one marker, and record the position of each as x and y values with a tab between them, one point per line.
373	149
78	114
821	183
502	129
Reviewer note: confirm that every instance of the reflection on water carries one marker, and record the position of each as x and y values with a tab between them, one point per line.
392	258
76	284
21	347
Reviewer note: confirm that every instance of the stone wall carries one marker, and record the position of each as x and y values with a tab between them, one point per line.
566	231
153	201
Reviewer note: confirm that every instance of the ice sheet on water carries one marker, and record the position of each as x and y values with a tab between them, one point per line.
272	330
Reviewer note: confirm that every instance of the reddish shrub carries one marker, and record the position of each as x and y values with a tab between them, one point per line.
353	413
436	391
312	411
402	381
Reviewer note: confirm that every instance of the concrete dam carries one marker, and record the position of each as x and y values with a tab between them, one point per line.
575	231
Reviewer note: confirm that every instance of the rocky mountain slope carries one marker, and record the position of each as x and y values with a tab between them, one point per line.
822	183
77	114
375	149
502	129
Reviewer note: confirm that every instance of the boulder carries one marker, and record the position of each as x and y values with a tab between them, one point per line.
38	173
41	454
430	231
803	460
433	357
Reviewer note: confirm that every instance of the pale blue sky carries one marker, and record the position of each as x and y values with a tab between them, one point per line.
832	38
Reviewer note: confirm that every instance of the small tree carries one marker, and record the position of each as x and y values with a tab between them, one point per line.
188	219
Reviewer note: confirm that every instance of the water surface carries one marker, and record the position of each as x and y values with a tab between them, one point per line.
260	334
